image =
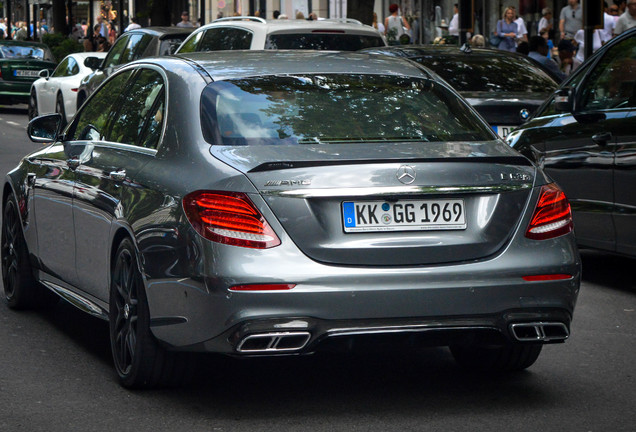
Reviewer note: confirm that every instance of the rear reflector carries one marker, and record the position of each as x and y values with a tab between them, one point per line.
262	287
547	277
75	89
229	218
552	216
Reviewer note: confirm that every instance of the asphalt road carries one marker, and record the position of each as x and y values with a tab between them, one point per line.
56	373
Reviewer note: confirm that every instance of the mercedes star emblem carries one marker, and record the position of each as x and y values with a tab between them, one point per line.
406	174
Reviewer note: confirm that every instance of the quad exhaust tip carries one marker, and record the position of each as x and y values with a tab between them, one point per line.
540	332
273	342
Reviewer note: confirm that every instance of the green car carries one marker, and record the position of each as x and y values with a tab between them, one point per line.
20	65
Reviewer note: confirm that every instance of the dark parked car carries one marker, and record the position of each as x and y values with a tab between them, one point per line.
200	203
133	45
20	65
584	137
504	87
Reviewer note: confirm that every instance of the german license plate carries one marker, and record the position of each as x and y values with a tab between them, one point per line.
26	73
503	131
404	215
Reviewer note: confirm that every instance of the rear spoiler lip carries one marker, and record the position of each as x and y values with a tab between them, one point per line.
283	165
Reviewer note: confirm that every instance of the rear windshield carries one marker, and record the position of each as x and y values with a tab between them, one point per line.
323	109
25	52
323	41
169	45
496	74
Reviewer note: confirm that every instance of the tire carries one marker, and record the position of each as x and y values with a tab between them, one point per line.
33	106
59	108
503	358
20	287
139	360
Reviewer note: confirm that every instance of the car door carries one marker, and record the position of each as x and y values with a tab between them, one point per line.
621	87
48	93
52	176
105	175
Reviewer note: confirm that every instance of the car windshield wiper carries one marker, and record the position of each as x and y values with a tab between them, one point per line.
348	140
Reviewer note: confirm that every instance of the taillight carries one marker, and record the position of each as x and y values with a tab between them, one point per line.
229	218
552	216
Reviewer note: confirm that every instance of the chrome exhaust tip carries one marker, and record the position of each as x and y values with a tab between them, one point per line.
273	342
540	332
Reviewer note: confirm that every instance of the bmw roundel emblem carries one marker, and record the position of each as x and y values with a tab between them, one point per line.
524	113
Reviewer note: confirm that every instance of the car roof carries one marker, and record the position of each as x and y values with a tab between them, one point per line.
222	65
270	26
410	51
162	31
23	43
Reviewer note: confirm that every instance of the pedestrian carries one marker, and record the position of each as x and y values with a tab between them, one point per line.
300	15
507	30
571	20
134	24
103	30
579	41
566	60
453	26
185	20
395	25
275	14
3	28
608	24
627	20
112	33
522	31
377	25
546	20
478	41
538	51
546	35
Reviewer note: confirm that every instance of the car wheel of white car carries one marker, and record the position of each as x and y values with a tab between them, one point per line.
33	106
59	108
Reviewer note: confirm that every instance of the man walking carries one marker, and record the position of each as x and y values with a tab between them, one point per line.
571	19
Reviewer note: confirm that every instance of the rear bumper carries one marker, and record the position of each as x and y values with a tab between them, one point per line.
14	93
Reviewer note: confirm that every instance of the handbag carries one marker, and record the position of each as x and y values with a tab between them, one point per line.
494	40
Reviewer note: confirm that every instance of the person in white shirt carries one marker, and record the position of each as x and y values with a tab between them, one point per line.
134	24
453	27
627	20
579	38
546	20
522	31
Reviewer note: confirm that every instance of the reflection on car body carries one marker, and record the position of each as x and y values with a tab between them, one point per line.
224	228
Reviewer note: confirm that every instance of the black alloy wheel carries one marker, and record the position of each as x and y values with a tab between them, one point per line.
17	277
33	106
139	360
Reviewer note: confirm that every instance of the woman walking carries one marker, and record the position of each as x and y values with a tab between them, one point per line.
507	30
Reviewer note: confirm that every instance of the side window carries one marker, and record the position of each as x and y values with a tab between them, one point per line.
612	82
151	131
90	122
114	55
190	45
139	103
225	38
60	70
136	47
73	67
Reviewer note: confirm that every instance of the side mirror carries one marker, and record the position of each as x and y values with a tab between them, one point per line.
564	100
44	73
93	62
45	129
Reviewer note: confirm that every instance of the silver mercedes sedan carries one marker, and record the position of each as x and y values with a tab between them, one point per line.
269	203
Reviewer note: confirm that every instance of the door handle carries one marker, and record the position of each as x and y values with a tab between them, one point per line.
118	176
73	163
602	138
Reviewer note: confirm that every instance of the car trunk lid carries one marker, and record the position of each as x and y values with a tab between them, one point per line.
483	187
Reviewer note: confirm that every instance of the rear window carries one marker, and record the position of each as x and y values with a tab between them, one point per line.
323	41
169	45
25	52
323	109
496	74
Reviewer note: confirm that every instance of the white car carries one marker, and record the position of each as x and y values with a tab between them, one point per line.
254	33
57	93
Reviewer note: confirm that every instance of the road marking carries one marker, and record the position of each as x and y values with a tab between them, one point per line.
12	123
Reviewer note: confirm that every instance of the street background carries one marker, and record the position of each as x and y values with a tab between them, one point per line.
56	373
